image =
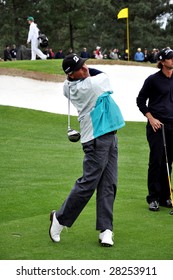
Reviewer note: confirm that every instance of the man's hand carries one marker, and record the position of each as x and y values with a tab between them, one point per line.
155	123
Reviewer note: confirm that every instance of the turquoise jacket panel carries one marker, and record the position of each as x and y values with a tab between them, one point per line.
106	116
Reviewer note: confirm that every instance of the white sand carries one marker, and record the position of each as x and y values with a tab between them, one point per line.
126	82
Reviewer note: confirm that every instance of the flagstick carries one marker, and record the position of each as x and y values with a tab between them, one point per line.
128	44
124	13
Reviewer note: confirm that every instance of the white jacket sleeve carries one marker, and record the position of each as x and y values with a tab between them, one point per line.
33	32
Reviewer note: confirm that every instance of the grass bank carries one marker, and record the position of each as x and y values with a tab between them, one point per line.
54	66
38	168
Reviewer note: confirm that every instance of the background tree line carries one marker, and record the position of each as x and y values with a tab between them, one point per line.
78	23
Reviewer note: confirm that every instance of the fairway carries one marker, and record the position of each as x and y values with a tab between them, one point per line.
38	167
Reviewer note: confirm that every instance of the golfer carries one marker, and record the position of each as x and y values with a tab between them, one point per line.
155	101
33	38
99	116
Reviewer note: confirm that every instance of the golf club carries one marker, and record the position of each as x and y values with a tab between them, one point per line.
72	134
167	166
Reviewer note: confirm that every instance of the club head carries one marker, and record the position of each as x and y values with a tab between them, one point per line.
171	213
73	135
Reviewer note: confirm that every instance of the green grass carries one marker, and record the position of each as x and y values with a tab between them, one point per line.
54	66
48	66
38	166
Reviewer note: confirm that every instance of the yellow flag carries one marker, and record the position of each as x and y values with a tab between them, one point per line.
123	13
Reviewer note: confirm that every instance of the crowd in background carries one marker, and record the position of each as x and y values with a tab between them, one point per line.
10	53
146	56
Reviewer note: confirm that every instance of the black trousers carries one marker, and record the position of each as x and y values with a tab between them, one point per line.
158	186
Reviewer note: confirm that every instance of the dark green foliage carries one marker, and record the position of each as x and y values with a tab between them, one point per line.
76	24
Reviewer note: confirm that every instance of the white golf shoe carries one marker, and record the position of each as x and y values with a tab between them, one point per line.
105	238
55	227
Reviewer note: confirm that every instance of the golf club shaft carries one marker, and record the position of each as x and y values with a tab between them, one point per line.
69	112
166	157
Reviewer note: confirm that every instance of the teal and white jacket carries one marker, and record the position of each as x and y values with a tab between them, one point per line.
98	113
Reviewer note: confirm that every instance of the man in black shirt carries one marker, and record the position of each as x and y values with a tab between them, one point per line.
155	101
7	55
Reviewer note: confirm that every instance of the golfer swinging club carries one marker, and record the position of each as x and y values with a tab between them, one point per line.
155	101
100	118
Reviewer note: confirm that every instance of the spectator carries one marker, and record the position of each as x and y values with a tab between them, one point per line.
59	54
52	53
146	55
85	53
13	52
7	54
114	54
153	56
93	54
125	55
98	54
70	50
48	53
139	56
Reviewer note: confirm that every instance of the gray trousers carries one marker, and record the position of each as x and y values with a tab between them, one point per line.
100	174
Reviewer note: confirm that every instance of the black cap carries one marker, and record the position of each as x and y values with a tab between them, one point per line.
165	54
72	63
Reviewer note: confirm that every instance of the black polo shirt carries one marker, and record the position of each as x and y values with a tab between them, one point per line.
156	97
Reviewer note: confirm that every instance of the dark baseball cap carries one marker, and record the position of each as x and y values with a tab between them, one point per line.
72	63
166	53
